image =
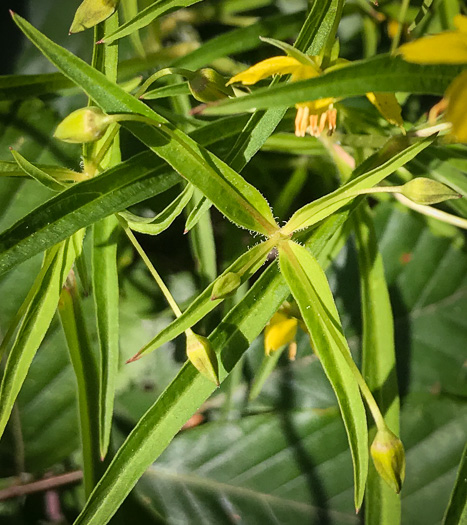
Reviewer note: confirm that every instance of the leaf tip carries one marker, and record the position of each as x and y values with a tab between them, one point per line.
12	13
101	41
134	358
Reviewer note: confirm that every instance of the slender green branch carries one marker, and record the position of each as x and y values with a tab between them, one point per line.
151	268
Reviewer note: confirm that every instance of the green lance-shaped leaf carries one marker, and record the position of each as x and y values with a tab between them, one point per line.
159	223
35	323
379	74
317	210
189	390
58	173
36	173
228	191
145	17
309	286
244	267
173	90
87	378
134	180
382	504
105	292
456	512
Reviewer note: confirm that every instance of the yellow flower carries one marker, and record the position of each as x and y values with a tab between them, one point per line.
312	117
449	47
280	331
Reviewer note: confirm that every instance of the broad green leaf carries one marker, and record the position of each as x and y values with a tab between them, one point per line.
33	328
325	206
456	513
248	263
426	271
379	74
87	379
228	191
310	289
285	478
36	173
159	223
134	180
106	298
145	17
382	504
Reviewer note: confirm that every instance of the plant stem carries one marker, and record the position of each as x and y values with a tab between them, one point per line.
400	19
151	268
433	212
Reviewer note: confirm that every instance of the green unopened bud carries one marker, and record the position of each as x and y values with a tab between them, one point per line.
91	13
83	125
388	456
427	191
206	85
225	285
202	356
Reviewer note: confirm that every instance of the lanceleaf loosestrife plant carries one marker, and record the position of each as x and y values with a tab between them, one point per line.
181	147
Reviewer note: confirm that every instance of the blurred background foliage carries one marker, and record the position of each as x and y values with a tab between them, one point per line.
282	457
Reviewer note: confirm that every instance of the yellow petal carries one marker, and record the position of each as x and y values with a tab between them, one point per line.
460	21
280	331
282	65
456	112
446	48
387	105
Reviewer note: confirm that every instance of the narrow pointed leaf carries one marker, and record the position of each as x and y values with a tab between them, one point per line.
36	173
159	223
11	169
87	379
252	260
189	390
229	192
382	504
33	328
310	289
146	16
327	205
105	292
140	177
379	74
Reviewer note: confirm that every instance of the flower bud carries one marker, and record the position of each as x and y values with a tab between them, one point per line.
91	13
225	285
201	355
427	191
280	331
83	125
388	456
206	85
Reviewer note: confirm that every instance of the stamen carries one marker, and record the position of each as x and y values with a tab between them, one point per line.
298	119
313	127
322	122
332	120
304	121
